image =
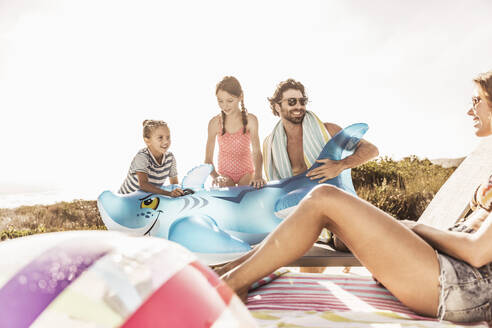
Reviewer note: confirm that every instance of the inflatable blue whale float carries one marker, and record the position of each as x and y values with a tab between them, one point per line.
221	220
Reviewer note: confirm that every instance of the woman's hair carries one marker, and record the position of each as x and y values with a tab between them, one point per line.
150	125
281	88
231	85
484	82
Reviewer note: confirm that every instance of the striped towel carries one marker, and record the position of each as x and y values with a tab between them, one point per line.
276	161
321	300
268	279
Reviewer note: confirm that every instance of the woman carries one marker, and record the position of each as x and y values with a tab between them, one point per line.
436	273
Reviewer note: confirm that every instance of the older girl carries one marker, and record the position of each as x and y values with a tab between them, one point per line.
437	273
237	133
152	165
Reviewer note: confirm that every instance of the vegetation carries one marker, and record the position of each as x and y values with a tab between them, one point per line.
402	188
28	220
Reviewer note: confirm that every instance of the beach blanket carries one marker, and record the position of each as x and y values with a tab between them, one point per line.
276	162
319	300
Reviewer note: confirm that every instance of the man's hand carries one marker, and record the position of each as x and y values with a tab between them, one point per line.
257	182
328	170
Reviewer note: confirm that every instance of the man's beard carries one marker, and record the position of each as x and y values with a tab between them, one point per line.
294	120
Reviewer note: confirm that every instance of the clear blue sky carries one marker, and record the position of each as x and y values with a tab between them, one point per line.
77	78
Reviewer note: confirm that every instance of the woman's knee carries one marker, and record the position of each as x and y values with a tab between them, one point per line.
324	194
320	200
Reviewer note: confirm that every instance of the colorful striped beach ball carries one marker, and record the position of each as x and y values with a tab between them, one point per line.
106	279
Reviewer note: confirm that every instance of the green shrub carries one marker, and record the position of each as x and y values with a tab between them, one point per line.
401	188
28	220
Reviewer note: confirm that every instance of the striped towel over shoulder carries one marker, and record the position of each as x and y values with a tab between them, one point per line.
276	160
157	172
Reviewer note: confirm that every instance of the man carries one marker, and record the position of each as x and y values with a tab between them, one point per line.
298	138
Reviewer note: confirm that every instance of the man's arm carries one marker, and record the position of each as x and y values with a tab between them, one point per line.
364	152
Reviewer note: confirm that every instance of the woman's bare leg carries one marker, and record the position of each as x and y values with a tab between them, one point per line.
398	258
231	265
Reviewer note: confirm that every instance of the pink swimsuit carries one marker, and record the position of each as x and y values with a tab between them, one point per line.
235	159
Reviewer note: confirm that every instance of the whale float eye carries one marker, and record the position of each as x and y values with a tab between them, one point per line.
151	203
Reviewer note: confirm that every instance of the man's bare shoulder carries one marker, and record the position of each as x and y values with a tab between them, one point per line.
332	128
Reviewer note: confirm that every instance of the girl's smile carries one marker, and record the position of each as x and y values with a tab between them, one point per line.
159	142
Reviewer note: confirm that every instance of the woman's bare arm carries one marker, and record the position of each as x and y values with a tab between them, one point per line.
473	248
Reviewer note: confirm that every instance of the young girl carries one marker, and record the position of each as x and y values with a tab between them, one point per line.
153	164
236	131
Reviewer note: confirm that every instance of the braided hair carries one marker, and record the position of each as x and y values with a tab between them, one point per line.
231	85
150	125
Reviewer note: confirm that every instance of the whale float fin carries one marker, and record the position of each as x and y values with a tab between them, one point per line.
196	177
200	234
342	144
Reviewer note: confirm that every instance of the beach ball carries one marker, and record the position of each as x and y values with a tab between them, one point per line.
108	279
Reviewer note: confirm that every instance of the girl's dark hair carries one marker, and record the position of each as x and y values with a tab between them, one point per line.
281	88
231	85
484	81
150	125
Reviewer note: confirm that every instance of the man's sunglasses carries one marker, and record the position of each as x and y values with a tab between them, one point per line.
293	101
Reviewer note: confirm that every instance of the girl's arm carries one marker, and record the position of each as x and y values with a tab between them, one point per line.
258	180
213	129
473	248
145	185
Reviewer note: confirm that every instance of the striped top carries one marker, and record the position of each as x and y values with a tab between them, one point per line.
157	173
483	196
482	199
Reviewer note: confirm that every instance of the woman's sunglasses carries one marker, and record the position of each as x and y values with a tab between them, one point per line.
293	101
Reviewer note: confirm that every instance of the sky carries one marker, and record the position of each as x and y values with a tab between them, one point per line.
77	78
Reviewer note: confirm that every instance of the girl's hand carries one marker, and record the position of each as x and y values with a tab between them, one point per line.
177	192
258	182
222	181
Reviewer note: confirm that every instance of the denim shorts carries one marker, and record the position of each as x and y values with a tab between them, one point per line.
466	291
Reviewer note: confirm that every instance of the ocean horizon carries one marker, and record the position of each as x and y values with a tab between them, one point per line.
48	197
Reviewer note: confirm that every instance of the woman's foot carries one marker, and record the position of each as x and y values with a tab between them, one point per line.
242	294
241	291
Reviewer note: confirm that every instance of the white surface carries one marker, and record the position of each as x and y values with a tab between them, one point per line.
77	78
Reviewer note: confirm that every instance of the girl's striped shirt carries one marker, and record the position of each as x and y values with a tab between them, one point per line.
157	173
